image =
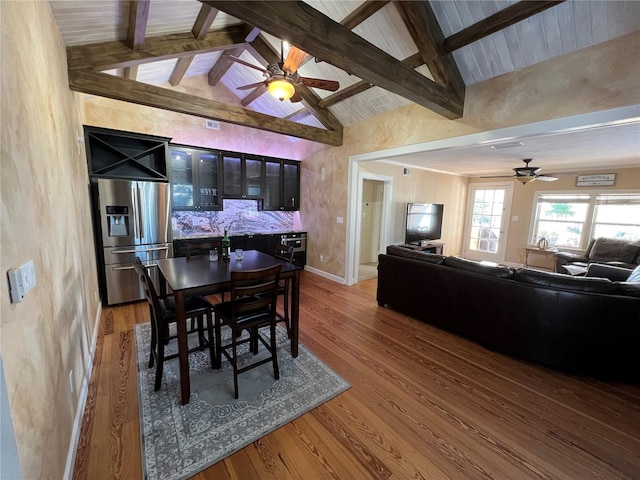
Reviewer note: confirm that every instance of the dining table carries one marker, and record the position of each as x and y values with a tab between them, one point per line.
198	275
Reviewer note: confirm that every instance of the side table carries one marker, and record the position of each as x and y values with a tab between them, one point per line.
547	253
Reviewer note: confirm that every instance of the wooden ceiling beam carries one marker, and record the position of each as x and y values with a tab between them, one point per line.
323	38
201	26
414	61
101	84
360	14
109	55
427	35
138	19
223	63
498	21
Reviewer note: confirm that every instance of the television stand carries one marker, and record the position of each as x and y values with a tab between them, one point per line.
429	247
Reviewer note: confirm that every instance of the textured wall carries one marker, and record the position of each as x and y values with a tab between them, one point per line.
46	218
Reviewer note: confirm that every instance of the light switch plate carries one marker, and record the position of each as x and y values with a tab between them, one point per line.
21	280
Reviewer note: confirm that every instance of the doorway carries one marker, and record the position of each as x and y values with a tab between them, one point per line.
485	233
374	199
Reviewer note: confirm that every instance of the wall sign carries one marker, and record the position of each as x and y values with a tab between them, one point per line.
591	180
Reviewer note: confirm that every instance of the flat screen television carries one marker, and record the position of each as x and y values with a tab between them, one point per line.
424	222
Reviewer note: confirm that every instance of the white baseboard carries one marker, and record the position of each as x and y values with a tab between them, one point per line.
324	274
82	400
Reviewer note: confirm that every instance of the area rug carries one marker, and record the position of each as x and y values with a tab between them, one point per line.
179	441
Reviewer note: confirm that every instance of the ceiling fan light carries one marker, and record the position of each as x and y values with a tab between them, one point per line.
281	89
524	179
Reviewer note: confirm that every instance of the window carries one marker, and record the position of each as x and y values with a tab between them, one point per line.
570	220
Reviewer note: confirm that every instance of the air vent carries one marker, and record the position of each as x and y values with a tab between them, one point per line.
212	124
406	171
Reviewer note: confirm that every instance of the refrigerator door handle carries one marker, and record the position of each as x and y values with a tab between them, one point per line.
140	250
139	211
128	267
135	213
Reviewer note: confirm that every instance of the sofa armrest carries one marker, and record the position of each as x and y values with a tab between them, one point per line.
564	258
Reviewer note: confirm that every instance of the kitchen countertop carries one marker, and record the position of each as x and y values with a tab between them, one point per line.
233	234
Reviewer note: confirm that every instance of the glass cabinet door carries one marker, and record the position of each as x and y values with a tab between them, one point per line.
253	177
182	192
273	177
291	186
232	175
207	164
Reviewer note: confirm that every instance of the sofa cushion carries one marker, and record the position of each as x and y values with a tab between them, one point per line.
473	266
630	289
613	273
634	276
567	282
414	254
612	249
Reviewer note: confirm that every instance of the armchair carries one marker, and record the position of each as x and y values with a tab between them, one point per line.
610	251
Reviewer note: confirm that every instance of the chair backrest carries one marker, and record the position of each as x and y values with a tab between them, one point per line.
285	252
148	287
254	290
202	248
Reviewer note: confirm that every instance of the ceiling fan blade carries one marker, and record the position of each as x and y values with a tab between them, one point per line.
247	64
296	98
294	58
330	85
545	178
251	85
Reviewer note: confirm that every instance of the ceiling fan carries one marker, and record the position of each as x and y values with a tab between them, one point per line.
281	78
528	174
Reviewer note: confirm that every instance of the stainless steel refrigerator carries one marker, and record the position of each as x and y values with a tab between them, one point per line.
135	220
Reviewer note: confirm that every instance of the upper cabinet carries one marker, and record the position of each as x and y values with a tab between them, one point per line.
195	178
242	176
282	184
201	178
118	154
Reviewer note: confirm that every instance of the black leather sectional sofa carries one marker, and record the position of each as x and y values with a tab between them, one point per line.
577	324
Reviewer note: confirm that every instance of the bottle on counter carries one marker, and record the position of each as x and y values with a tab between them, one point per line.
226	247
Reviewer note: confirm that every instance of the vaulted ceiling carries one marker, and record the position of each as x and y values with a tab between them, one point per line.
385	55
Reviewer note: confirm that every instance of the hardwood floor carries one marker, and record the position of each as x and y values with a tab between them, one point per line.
424	404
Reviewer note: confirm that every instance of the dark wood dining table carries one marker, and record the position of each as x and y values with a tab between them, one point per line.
199	276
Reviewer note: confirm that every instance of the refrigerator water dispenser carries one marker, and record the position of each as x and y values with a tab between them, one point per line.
118	221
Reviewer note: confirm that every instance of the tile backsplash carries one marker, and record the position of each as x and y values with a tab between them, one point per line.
237	216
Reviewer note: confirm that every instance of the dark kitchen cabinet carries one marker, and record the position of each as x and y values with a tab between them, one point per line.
195	179
282	184
242	175
125	155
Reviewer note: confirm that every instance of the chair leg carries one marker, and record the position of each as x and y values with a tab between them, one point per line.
234	362
218	329
212	341
274	351
160	366
286	307
201	338
154	343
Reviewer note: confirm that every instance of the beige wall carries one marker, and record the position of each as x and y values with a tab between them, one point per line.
523	197
45	218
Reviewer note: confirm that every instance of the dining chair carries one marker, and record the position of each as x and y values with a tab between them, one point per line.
254	295
163	313
284	252
202	248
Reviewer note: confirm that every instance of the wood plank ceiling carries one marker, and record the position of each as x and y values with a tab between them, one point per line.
384	54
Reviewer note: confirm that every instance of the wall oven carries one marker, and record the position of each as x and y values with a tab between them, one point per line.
298	241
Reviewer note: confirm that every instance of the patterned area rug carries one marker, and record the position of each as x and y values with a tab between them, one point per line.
179	441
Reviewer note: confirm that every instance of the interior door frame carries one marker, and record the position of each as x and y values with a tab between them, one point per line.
384	221
504	226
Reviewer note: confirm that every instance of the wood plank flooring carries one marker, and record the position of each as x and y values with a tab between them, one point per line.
424	404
